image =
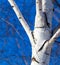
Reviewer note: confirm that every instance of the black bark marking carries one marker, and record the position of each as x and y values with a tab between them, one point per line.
53	9
40	9
46	20
42	46
32	34
19	17
34	59
33	37
40	27
12	6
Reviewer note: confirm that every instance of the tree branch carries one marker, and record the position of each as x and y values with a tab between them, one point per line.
19	15
38	6
53	39
55	36
22	20
47	7
39	18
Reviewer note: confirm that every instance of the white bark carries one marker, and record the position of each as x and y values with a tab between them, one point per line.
41	45
47	6
38	6
42	33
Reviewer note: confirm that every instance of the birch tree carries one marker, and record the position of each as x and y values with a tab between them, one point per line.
41	37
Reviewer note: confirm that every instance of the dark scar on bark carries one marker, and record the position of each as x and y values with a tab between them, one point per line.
40	27
12	6
33	37
40	9
42	46
19	17
53	9
46	20
34	59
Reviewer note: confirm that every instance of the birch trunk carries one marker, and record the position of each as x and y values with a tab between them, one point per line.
42	32
40	36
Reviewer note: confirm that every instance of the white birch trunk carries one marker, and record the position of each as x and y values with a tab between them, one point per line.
41	47
42	33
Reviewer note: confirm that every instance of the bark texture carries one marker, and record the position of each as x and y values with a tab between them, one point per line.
42	32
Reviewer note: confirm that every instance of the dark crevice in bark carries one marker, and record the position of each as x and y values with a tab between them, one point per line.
40	27
12	6
53	9
19	17
42	46
46	20
33	37
34	59
40	9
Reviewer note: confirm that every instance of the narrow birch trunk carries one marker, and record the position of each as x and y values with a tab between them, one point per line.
40	36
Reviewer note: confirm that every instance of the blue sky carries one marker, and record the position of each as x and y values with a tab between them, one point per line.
14	43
